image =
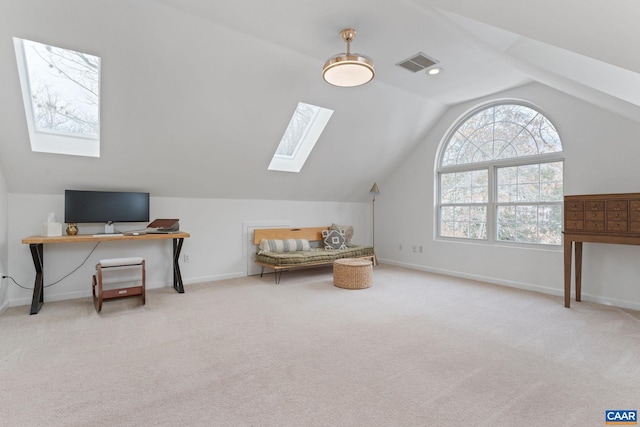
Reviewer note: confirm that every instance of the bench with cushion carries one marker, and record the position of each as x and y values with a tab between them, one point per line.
287	248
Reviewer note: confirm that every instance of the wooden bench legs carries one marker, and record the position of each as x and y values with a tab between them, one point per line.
277	270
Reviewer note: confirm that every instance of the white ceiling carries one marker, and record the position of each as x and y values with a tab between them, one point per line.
196	94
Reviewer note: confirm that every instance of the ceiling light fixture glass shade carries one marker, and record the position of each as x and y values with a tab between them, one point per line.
348	69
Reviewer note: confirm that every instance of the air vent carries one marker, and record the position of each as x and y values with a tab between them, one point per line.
417	62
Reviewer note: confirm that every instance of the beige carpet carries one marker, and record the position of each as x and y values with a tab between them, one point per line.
415	349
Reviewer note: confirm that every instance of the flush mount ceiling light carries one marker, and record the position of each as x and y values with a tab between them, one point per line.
348	69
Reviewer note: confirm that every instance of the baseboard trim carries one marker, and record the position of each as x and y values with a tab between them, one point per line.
514	284
214	278
87	292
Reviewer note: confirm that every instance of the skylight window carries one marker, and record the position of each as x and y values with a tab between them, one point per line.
301	135
61	95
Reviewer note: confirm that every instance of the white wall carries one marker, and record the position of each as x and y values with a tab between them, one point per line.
601	156
217	248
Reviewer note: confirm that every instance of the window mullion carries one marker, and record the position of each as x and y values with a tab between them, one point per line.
491	205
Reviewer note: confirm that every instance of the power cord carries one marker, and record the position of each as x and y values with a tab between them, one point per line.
17	284
59	280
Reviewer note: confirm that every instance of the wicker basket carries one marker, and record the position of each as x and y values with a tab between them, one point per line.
352	273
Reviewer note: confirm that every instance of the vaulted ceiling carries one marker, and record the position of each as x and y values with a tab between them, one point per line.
196	94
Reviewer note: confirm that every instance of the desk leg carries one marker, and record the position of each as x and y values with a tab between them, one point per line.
177	276
578	271
567	272
37	253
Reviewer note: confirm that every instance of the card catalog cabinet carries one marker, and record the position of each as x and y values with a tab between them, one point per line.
602	213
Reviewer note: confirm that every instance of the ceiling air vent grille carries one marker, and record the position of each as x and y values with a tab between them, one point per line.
417	62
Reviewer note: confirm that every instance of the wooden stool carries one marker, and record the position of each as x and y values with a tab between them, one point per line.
100	294
352	273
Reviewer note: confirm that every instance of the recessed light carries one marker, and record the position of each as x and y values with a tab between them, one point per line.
434	71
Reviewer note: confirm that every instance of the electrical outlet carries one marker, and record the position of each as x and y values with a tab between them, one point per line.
400	246
420	248
415	249
186	258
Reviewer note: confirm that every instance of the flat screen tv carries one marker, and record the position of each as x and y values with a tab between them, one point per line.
105	206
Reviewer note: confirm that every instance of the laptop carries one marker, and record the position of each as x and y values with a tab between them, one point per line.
163	226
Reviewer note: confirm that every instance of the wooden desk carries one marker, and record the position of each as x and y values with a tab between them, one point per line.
578	238
36	245
597	218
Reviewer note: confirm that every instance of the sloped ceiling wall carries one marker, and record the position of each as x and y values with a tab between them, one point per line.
196	94
606	31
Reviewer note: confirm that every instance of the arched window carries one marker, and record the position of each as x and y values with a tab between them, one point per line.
500	177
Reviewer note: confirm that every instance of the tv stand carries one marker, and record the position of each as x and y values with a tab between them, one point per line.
36	245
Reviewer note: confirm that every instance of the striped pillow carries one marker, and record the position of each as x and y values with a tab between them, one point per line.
286	245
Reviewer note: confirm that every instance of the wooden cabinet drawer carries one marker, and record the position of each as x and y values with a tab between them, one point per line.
617	205
634	210
574	216
617	215
594	205
594	216
576	225
594	225
618	226
634	226
576	205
